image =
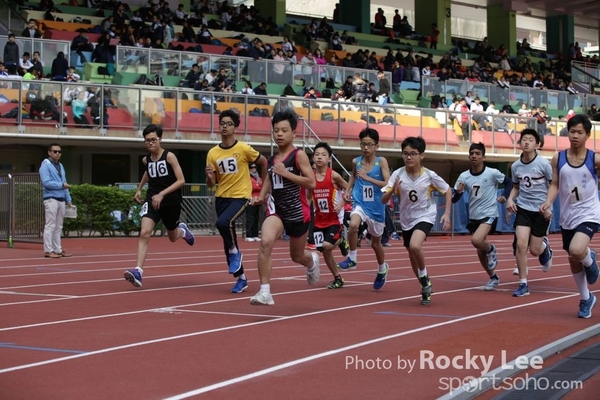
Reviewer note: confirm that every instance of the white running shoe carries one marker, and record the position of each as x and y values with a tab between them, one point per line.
313	275
516	271
249	239
262	298
492	284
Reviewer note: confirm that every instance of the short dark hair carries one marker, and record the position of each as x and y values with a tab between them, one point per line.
532	132
324	145
580	119
369	132
415	142
477	146
152	128
231	114
52	145
285	115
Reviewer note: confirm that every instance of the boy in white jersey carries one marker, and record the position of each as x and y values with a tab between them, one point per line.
414	185
369	174
482	182
531	176
575	181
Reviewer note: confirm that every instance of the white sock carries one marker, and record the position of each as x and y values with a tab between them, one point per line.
352	254
423	272
544	246
587	261
523	281
140	269
265	288
242	276
581	283
381	269
182	232
233	250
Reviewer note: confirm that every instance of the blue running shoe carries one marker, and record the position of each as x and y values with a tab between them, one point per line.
585	307
240	286
133	276
522	290
546	257
235	262
188	236
347	264
591	272
380	278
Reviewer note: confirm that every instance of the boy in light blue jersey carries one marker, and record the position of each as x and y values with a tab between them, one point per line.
482	182
531	176
370	173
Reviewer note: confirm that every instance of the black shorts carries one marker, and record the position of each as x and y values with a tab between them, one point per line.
330	234
532	219
421	226
295	229
589	228
169	215
474	224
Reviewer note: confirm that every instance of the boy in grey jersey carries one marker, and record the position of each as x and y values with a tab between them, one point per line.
531	176
482	182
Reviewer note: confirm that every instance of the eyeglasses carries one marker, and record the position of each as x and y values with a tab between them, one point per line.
252	167
367	145
57	151
226	123
153	140
410	155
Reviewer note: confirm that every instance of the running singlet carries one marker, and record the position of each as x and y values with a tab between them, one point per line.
368	196
578	191
325	196
288	200
160	177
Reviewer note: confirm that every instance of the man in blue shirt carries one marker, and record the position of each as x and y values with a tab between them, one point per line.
55	194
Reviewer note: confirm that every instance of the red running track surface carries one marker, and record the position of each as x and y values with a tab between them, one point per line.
73	328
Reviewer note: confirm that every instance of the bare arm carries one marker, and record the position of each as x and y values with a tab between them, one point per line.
339	181
178	184
546	208
385	171
262	164
348	192
510	203
138	192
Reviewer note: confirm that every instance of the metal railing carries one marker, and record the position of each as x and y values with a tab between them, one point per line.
514	96
21	209
186	112
48	48
179	63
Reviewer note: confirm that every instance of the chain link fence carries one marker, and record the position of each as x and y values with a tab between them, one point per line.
21	208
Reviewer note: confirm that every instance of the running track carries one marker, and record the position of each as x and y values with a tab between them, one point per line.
74	328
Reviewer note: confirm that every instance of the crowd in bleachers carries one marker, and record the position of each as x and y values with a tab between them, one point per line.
154	26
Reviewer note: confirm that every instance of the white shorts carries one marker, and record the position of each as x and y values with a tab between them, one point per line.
373	227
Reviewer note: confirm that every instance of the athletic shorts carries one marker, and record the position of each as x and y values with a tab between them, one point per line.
421	226
534	220
330	234
474	224
589	228
169	215
373	227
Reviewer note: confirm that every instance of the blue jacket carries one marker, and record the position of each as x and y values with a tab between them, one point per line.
52	181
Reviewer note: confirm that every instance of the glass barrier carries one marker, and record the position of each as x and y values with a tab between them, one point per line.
112	110
47	48
515	96
179	63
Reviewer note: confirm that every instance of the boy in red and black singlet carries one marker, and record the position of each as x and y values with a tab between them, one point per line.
163	199
290	175
328	204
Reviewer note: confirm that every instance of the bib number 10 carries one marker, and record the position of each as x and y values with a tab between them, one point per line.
368	193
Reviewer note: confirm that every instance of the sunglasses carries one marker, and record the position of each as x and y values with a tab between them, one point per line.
56	151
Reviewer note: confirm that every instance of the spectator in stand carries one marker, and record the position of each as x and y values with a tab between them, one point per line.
308	63
11	55
37	65
25	63
397	76
336	14
31	31
60	66
348	62
80	44
384	89
380	22
360	89
465	120
286	45
261	90
180	15
79	108
592	112
435	34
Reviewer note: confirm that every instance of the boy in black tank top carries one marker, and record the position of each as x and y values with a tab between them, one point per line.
163	199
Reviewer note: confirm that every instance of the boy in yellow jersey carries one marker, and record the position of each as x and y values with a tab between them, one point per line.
228	165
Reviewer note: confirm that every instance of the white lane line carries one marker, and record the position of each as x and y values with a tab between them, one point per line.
62	296
328	353
479	287
252	324
232	313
